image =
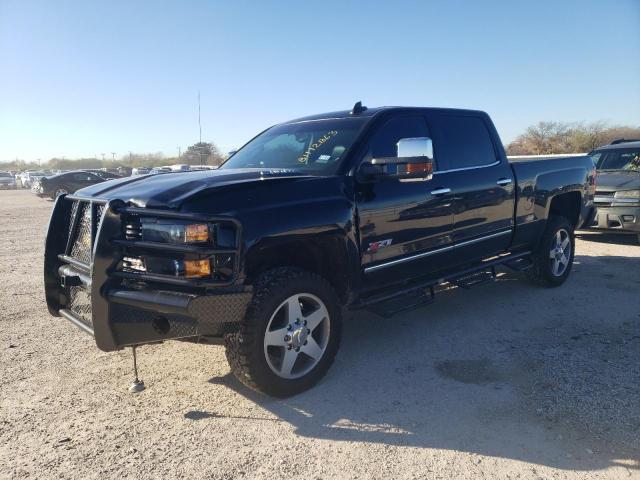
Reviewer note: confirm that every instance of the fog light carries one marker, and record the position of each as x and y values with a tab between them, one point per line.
628	218
197	268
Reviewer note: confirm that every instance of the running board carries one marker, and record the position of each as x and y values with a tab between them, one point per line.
475	279
520	264
389	308
424	291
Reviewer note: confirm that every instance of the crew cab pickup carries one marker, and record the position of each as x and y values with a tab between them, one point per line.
366	208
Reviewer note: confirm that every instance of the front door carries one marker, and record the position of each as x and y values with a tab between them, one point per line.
404	225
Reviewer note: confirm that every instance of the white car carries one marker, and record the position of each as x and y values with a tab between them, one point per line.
29	178
180	168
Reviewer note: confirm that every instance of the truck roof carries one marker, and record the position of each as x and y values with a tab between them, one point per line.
620	145
374	111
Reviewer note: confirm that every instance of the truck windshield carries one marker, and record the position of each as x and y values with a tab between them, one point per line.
314	147
628	159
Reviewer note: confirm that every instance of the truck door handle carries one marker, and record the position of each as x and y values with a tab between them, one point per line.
440	191
504	181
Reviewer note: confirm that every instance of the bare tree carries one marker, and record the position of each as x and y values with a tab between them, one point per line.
547	138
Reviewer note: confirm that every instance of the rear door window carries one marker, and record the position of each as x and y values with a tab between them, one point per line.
461	141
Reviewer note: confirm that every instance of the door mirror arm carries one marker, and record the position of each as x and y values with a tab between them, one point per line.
414	162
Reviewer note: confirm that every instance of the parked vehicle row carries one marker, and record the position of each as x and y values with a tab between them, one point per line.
51	184
68	182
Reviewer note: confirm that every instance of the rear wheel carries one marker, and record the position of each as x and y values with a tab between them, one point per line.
553	258
290	333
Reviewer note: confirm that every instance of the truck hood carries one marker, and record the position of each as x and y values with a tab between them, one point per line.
610	181
172	189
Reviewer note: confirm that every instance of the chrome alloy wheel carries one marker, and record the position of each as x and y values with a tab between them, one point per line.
297	336
560	252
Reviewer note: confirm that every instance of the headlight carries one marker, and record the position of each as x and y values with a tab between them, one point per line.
187	263
167	266
173	232
632	194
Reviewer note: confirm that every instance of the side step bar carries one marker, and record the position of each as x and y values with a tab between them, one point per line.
423	292
475	279
403	303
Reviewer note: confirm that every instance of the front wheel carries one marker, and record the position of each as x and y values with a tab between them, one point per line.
290	334
553	258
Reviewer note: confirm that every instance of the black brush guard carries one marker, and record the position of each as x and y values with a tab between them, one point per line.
83	248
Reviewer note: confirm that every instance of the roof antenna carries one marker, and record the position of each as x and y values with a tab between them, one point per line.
357	108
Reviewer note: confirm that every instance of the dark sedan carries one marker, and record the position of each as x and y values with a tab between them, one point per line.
105	175
617	197
63	183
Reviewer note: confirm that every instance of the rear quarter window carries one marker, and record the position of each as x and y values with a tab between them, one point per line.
461	141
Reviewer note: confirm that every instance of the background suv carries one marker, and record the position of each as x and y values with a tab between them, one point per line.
617	199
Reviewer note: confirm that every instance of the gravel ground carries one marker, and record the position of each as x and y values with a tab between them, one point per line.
502	381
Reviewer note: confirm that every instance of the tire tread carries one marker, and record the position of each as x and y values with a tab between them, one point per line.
539	273
240	347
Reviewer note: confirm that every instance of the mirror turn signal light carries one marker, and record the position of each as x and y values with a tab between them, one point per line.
420	168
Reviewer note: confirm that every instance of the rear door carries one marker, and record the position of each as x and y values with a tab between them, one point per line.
481	180
405	226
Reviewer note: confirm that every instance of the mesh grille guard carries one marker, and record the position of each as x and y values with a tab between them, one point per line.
86	241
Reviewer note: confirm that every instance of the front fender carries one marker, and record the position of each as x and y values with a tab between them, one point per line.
318	235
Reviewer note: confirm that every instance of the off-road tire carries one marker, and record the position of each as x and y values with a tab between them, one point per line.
245	349
541	272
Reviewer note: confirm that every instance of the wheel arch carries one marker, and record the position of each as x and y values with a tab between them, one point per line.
325	255
567	205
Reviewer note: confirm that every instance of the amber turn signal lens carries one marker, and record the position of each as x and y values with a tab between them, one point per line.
197	232
197	268
420	168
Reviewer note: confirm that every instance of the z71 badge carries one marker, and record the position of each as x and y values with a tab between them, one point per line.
375	246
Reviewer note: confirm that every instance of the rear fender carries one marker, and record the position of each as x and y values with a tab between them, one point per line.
535	197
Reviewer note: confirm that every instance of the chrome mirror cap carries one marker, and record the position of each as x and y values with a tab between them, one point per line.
415	147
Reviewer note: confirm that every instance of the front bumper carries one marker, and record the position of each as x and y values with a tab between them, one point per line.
620	218
119	312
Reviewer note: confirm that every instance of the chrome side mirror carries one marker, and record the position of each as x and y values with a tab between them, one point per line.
415	147
414	162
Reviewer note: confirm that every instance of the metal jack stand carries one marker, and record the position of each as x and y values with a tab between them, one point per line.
137	385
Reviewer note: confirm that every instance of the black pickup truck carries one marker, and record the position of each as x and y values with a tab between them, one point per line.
345	210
